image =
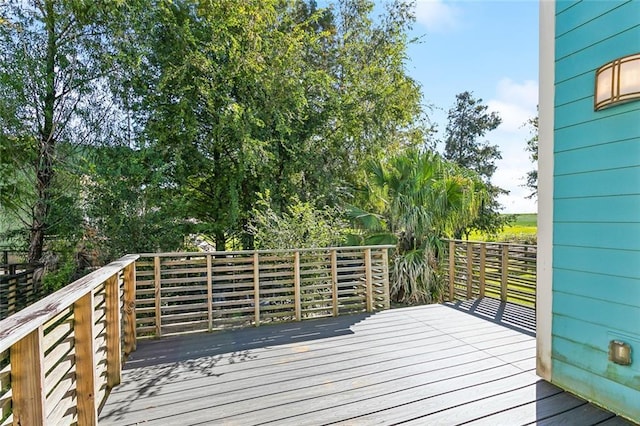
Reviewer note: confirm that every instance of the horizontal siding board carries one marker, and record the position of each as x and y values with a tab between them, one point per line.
572	14
617	208
618	318
613	395
599	131
579	87
598	157
600	261
624	43
597	286
600	23
563	5
581	111
595	359
598	183
624	236
596	232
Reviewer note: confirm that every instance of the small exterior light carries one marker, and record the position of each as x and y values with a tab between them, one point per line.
619	352
617	81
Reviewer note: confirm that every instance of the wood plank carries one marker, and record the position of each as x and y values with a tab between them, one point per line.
452	269
27	320
85	364
296	285
256	289
113	332
27	379
157	295
387	367
368	280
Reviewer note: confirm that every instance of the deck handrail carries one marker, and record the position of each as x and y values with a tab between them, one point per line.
60	357
205	291
505	271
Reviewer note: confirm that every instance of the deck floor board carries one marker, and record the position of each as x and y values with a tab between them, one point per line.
437	364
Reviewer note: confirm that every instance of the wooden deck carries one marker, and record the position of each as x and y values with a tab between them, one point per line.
471	362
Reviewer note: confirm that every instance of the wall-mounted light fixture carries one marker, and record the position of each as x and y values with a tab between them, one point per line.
618	81
620	352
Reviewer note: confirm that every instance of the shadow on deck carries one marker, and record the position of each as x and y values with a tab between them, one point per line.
433	364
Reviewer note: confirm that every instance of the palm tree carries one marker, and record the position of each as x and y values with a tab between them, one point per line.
413	200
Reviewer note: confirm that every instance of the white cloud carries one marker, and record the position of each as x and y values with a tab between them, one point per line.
437	16
516	103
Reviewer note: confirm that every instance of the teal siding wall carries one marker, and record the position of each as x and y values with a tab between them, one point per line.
596	259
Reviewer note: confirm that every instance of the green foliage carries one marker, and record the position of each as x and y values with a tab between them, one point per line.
414	199
532	149
63	274
52	95
131	205
468	121
301	225
133	126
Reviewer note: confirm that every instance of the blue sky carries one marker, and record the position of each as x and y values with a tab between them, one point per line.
491	49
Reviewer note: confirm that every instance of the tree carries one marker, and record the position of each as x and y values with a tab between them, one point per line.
54	97
241	97
468	121
414	200
532	149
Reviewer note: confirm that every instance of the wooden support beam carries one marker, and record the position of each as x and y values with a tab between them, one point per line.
334	282
296	285
452	270
27	380
256	289
385	278
209	293
469	270
504	264
113	342
130	337
368	280
483	268
83	313
157	291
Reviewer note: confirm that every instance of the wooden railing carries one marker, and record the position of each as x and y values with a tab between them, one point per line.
182	292
60	357
18	287
503	271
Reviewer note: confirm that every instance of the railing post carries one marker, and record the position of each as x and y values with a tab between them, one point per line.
368	280
27	380
156	278
385	278
505	273
483	266
334	282
256	288
469	270
83	313
209	293
452	270
296	285
130	338
112	315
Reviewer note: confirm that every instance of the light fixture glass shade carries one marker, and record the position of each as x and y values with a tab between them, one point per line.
617	81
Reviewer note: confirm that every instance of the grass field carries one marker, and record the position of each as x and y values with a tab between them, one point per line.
523	229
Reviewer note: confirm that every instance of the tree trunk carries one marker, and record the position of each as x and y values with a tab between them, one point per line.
44	171
221	241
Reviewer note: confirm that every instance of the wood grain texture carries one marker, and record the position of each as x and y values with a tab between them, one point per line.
434	364
85	362
24	322
27	382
